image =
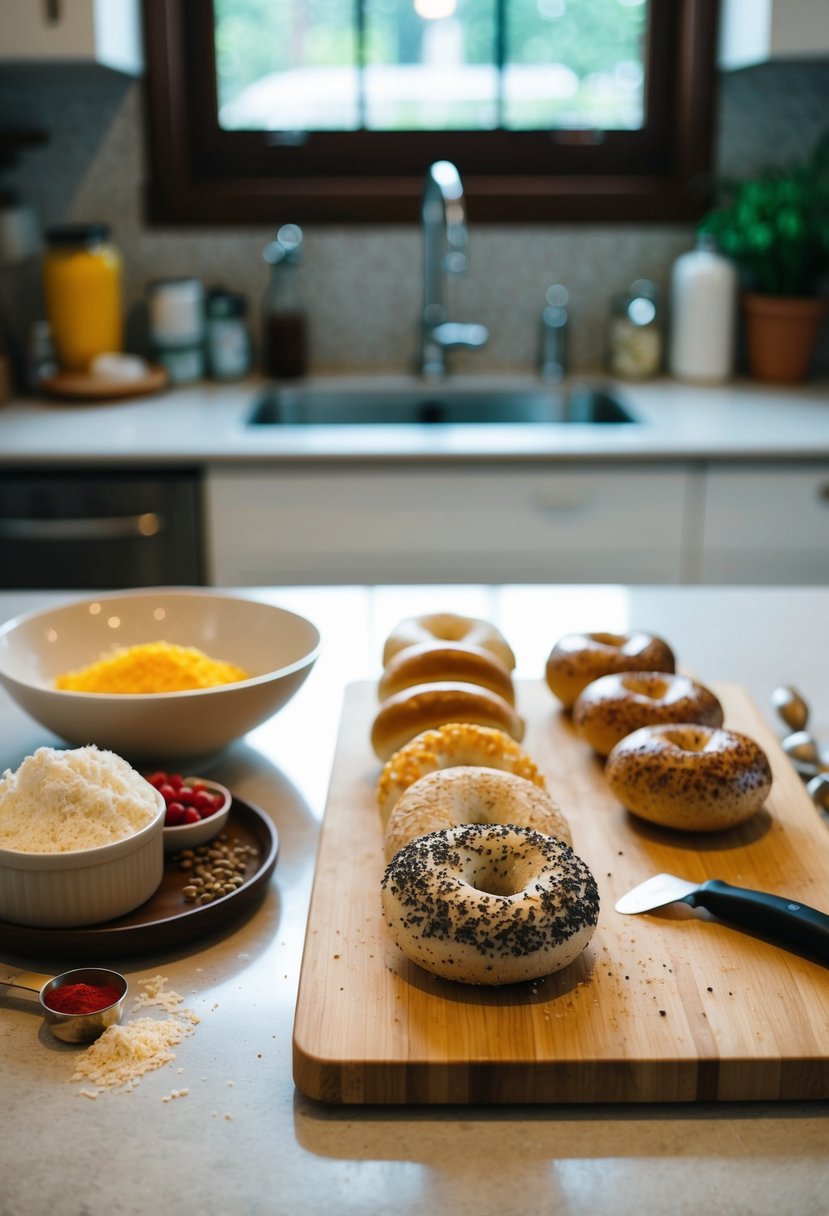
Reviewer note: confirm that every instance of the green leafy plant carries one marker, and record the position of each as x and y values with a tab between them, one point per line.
776	226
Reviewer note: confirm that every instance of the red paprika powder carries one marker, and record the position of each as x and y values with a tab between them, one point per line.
82	998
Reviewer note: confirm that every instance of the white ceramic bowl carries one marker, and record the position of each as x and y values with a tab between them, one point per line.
277	647
191	835
84	887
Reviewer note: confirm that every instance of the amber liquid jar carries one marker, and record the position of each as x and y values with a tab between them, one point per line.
82	287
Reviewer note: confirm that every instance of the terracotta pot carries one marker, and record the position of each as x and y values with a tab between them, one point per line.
781	332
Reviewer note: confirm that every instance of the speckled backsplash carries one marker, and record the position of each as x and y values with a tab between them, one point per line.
92	168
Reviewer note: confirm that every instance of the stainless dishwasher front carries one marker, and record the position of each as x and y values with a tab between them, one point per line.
101	529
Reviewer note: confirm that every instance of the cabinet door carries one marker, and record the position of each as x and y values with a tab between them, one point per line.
766	524
86	31
458	523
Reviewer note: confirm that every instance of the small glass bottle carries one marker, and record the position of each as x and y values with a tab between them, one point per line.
635	339
228	337
82	288
41	357
284	325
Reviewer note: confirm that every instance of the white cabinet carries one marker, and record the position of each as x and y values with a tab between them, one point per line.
766	524
467	522
755	31
107	32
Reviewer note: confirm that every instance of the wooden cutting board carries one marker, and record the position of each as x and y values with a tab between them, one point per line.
670	1006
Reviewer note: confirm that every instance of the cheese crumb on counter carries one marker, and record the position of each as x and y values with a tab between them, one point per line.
151	667
124	1053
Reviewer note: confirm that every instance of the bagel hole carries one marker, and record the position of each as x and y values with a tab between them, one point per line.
609	639
688	739
500	877
646	686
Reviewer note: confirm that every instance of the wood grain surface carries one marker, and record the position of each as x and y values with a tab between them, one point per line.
670	1006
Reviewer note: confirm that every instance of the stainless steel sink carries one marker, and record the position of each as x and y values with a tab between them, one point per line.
419	405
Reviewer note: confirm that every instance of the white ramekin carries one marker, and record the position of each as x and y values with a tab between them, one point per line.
85	887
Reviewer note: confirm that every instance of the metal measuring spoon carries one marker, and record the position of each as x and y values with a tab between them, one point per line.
72	1027
791	708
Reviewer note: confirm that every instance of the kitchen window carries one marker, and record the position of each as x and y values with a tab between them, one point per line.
264	110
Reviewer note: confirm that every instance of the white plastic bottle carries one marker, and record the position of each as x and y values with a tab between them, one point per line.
703	314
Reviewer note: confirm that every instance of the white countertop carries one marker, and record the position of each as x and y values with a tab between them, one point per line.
244	1140
206	424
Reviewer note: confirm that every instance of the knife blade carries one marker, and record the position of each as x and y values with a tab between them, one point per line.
786	922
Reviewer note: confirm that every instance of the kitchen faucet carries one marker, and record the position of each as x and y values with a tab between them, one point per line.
443	216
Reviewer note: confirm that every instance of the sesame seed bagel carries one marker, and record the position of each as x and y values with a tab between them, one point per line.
448	627
489	904
426	662
448	746
616	705
472	795
695	778
407	713
579	658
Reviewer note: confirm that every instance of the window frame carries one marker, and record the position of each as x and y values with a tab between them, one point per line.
200	174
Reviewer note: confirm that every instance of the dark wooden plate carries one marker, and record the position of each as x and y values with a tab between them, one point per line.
167	919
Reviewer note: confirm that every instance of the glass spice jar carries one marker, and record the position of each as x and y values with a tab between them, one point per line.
229	347
635	339
177	327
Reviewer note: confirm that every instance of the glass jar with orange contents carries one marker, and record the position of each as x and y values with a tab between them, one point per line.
82	287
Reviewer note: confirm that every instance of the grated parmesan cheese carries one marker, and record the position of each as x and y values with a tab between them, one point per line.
62	801
151	667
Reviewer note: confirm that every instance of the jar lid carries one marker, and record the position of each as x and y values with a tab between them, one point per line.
78	234
222	303
182	287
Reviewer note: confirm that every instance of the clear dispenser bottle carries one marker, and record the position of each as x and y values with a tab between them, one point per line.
703	314
284	323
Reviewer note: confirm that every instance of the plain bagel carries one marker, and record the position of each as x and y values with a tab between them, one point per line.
426	662
616	705
448	746
579	658
407	713
448	627
468	794
695	778
489	904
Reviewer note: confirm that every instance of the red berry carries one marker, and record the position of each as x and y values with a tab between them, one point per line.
191	815
175	814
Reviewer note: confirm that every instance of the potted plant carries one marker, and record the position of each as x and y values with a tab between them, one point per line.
776	228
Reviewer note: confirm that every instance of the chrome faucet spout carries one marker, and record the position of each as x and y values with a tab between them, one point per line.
445	237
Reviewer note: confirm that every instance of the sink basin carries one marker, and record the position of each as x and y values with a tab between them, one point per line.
418	404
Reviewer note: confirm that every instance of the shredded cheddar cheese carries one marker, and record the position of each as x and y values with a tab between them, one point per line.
151	667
